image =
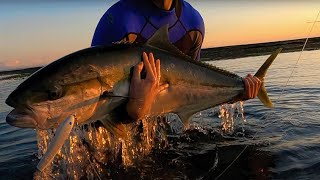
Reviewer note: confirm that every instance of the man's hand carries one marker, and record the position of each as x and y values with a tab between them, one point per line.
143	92
252	86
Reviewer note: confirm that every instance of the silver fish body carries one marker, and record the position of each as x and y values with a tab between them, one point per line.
94	83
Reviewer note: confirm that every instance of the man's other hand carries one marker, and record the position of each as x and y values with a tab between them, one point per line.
252	85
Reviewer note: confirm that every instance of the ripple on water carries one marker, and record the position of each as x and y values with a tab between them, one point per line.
281	143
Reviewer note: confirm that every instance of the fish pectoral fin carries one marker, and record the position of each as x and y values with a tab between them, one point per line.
185	117
110	125
261	73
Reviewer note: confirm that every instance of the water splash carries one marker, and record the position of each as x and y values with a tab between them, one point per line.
91	151
229	114
224	119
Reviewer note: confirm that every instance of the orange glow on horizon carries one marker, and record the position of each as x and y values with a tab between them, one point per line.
248	24
38	35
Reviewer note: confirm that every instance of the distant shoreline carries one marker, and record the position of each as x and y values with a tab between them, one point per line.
19	71
231	52
260	49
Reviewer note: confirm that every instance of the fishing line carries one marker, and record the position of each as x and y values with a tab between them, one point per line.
304	46
266	116
82	137
94	169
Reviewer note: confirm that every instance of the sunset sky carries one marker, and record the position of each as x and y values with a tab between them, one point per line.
38	32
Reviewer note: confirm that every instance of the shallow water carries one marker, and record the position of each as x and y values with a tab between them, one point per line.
279	143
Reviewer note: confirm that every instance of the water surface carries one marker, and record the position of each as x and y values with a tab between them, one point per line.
279	143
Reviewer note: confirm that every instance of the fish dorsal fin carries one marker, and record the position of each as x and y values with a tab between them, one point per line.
160	40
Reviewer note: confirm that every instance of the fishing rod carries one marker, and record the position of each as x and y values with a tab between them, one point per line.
267	116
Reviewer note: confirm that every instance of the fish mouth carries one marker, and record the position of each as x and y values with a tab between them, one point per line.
21	119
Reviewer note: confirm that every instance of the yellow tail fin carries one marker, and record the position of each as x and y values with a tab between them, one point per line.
261	73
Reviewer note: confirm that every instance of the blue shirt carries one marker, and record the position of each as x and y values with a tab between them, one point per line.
140	19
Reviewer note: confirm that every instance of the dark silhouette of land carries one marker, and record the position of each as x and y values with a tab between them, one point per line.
19	71
228	52
231	52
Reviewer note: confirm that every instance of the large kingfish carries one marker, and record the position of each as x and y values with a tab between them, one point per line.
94	83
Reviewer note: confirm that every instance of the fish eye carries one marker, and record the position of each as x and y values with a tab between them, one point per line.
54	93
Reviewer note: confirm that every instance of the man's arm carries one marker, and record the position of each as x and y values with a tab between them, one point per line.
197	40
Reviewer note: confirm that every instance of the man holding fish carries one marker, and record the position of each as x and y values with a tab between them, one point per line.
94	84
135	21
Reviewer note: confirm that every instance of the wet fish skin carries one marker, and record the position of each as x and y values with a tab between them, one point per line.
94	83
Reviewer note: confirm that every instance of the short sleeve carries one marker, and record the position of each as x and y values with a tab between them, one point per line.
118	21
